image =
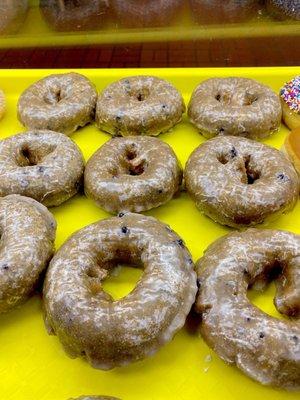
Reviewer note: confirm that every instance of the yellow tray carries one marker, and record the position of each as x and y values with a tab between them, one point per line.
35	32
33	364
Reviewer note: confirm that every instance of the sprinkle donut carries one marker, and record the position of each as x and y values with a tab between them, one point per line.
239	182
27	241
284	9
111	333
60	103
263	347
66	15
132	174
235	106
139	105
44	165
290	100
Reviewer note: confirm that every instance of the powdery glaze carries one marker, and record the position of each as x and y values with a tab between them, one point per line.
216	11
239	182
132	174
284	9
74	15
263	347
139	105
61	103
44	165
235	106
115	333
12	15
27	234
2	104
145	13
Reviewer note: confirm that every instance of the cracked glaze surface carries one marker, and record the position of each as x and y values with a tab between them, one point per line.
114	333
44	165
239	182
27	234
143	13
263	347
74	15
216	11
235	106
284	9
139	105
12	15
132	174
59	102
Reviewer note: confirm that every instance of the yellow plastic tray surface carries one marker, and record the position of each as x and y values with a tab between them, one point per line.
35	32
33	364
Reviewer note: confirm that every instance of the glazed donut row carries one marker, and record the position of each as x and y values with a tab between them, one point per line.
234	180
65	15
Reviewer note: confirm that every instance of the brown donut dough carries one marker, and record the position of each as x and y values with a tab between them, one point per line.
44	165
239	182
218	12
115	333
235	106
139	105
74	15
146	13
135	174
2	104
27	237
263	347
61	103
12	15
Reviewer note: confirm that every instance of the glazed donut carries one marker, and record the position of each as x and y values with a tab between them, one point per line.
290	100
74	15
291	148
27	239
216	11
135	174
139	105
239	182
284	9
235	106
2	104
111	333
44	165
263	347
61	103
146	13
12	15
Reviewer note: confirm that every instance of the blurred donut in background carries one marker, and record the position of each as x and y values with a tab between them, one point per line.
217	12
12	15
145	13
74	15
284	9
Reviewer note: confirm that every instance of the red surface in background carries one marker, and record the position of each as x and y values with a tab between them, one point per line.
214	53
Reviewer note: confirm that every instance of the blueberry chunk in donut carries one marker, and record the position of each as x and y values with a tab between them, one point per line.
139	105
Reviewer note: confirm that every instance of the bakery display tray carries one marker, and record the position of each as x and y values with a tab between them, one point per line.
33	364
36	33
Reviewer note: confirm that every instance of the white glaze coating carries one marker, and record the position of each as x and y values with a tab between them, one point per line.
235	106
61	103
144	13
44	165
12	15
239	182
114	333
27	234
263	347
66	15
139	105
134	174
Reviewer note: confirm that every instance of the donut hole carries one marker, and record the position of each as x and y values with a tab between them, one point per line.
249	99
252	175
32	156
69	4
139	94
224	98
54	96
